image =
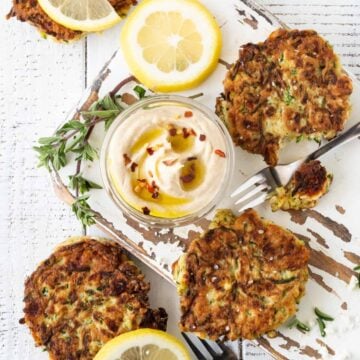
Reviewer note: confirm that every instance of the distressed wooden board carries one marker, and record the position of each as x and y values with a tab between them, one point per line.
39	81
326	229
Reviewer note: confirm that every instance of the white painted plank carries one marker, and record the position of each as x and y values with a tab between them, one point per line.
39	81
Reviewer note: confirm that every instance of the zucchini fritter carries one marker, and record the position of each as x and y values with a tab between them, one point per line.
241	279
308	184
291	86
31	12
83	295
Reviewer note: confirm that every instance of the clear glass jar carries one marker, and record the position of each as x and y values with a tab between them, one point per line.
150	104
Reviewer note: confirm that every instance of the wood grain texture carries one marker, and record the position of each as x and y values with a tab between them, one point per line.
39	82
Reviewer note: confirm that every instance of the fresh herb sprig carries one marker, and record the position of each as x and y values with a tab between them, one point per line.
83	211
72	138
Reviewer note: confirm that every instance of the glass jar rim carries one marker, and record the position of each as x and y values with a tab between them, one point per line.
154	221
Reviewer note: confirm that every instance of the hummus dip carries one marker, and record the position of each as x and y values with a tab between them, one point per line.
167	161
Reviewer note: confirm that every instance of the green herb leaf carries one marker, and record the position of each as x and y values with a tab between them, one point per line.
49	140
71	125
102	114
322	326
357	268
107	103
322	315
300	138
288	98
301	326
284	281
293	323
59	159
298	324
140	91
84	185
83	211
86	152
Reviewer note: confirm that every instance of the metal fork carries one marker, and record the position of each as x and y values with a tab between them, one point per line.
255	189
211	350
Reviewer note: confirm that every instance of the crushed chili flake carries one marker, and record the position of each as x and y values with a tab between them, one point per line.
133	166
191	158
220	153
150	150
172	132
185	132
146	210
202	137
127	160
187	178
155	195
188	114
152	188
169	162
192	132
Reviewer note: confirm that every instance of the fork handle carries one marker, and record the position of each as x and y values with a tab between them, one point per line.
348	135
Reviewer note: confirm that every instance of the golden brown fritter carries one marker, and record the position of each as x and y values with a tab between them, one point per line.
83	295
308	184
30	11
241	279
291	86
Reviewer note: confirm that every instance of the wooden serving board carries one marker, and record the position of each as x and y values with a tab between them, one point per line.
332	230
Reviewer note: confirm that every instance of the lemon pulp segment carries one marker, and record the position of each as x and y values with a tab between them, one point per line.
171	45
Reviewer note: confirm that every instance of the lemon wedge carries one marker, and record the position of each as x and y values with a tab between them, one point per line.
143	344
82	15
171	45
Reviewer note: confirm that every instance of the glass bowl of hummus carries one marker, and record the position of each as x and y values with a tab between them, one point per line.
167	160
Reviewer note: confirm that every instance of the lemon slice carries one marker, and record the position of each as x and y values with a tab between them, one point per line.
144	344
83	15
171	45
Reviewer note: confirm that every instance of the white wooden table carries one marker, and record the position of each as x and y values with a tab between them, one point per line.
39	82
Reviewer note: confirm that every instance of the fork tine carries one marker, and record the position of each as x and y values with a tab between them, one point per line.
211	351
229	355
252	193
193	347
257	201
257	178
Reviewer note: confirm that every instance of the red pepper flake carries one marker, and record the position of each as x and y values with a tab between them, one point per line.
188	114
202	137
146	210
192	132
127	160
220	153
172	132
150	150
187	178
155	195
185	132
152	188
133	166
191	158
